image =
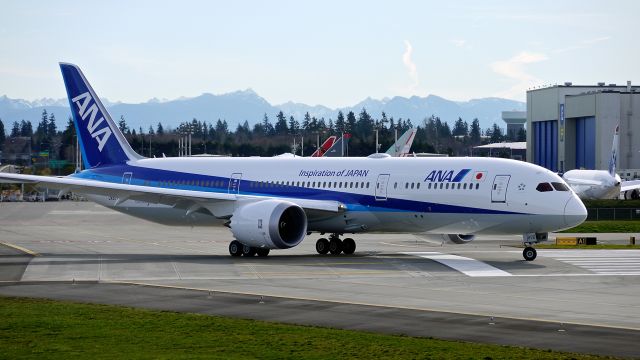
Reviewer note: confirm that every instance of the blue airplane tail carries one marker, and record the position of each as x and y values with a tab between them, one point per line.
101	142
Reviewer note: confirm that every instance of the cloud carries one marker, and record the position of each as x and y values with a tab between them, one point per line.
583	44
514	69
410	65
459	42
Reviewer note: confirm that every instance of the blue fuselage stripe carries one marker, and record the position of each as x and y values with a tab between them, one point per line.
218	184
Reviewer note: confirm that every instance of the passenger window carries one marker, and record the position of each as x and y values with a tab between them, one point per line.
395	185
429	186
412	185
406	185
446	186
544	187
356	184
367	184
559	186
477	186
441	185
418	185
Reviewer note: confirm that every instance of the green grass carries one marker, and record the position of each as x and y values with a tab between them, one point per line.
599	246
32	328
612	203
607	226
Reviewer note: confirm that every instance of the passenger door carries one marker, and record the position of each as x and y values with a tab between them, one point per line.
234	183
126	178
381	187
499	188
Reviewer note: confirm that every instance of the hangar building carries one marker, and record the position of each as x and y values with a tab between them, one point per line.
572	126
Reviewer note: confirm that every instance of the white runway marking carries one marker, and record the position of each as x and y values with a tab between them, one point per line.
605	262
82	212
465	265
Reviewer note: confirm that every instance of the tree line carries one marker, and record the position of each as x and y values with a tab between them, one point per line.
266	137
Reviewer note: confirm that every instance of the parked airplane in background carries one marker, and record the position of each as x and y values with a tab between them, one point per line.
340	147
602	184
326	145
274	202
402	146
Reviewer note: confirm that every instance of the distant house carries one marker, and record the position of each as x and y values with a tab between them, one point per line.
17	150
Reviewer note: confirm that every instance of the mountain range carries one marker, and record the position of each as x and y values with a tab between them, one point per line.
238	106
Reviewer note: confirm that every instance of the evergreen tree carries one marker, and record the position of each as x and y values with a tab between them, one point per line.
306	123
281	124
160	129
294	126
122	125
474	132
151	132
460	128
340	123
26	129
351	122
496	134
266	126
52	130
43	125
15	130
2	134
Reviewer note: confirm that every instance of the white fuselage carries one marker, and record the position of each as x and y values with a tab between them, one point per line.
593	184
438	195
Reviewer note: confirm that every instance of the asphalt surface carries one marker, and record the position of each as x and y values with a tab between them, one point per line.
573	300
443	325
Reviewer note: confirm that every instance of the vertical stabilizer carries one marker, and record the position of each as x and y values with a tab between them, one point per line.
101	141
402	147
614	151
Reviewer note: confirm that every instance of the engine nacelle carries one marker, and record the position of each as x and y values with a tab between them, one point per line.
459	238
271	224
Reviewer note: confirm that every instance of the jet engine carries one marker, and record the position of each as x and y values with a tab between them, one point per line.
459	238
271	224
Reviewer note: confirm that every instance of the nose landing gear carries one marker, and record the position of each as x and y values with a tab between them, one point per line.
529	253
335	246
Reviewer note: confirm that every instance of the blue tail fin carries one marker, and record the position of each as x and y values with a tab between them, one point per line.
101	141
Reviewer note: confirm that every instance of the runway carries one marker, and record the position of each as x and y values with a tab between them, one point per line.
389	277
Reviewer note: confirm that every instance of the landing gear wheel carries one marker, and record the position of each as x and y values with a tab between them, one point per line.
248	251
322	246
263	252
335	246
235	248
529	253
348	246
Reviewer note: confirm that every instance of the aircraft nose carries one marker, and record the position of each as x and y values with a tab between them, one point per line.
574	212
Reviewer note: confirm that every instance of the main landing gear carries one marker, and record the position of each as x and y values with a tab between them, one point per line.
236	248
335	246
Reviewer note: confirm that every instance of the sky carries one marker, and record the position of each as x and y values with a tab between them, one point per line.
333	53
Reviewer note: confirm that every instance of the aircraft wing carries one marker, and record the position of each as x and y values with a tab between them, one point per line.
188	199
630	185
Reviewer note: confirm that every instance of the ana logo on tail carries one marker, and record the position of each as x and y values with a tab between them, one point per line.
88	108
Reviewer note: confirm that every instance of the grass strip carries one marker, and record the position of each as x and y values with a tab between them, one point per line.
607	226
34	328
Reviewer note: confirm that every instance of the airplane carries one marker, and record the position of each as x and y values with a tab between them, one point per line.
326	145
402	146
339	148
275	202
602	184
398	149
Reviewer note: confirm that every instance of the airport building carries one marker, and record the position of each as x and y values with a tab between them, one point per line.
572	126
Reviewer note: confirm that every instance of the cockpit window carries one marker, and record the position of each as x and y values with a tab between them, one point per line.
560	186
543	187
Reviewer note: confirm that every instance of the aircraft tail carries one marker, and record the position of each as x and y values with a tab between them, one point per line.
326	145
401	147
614	151
101	141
